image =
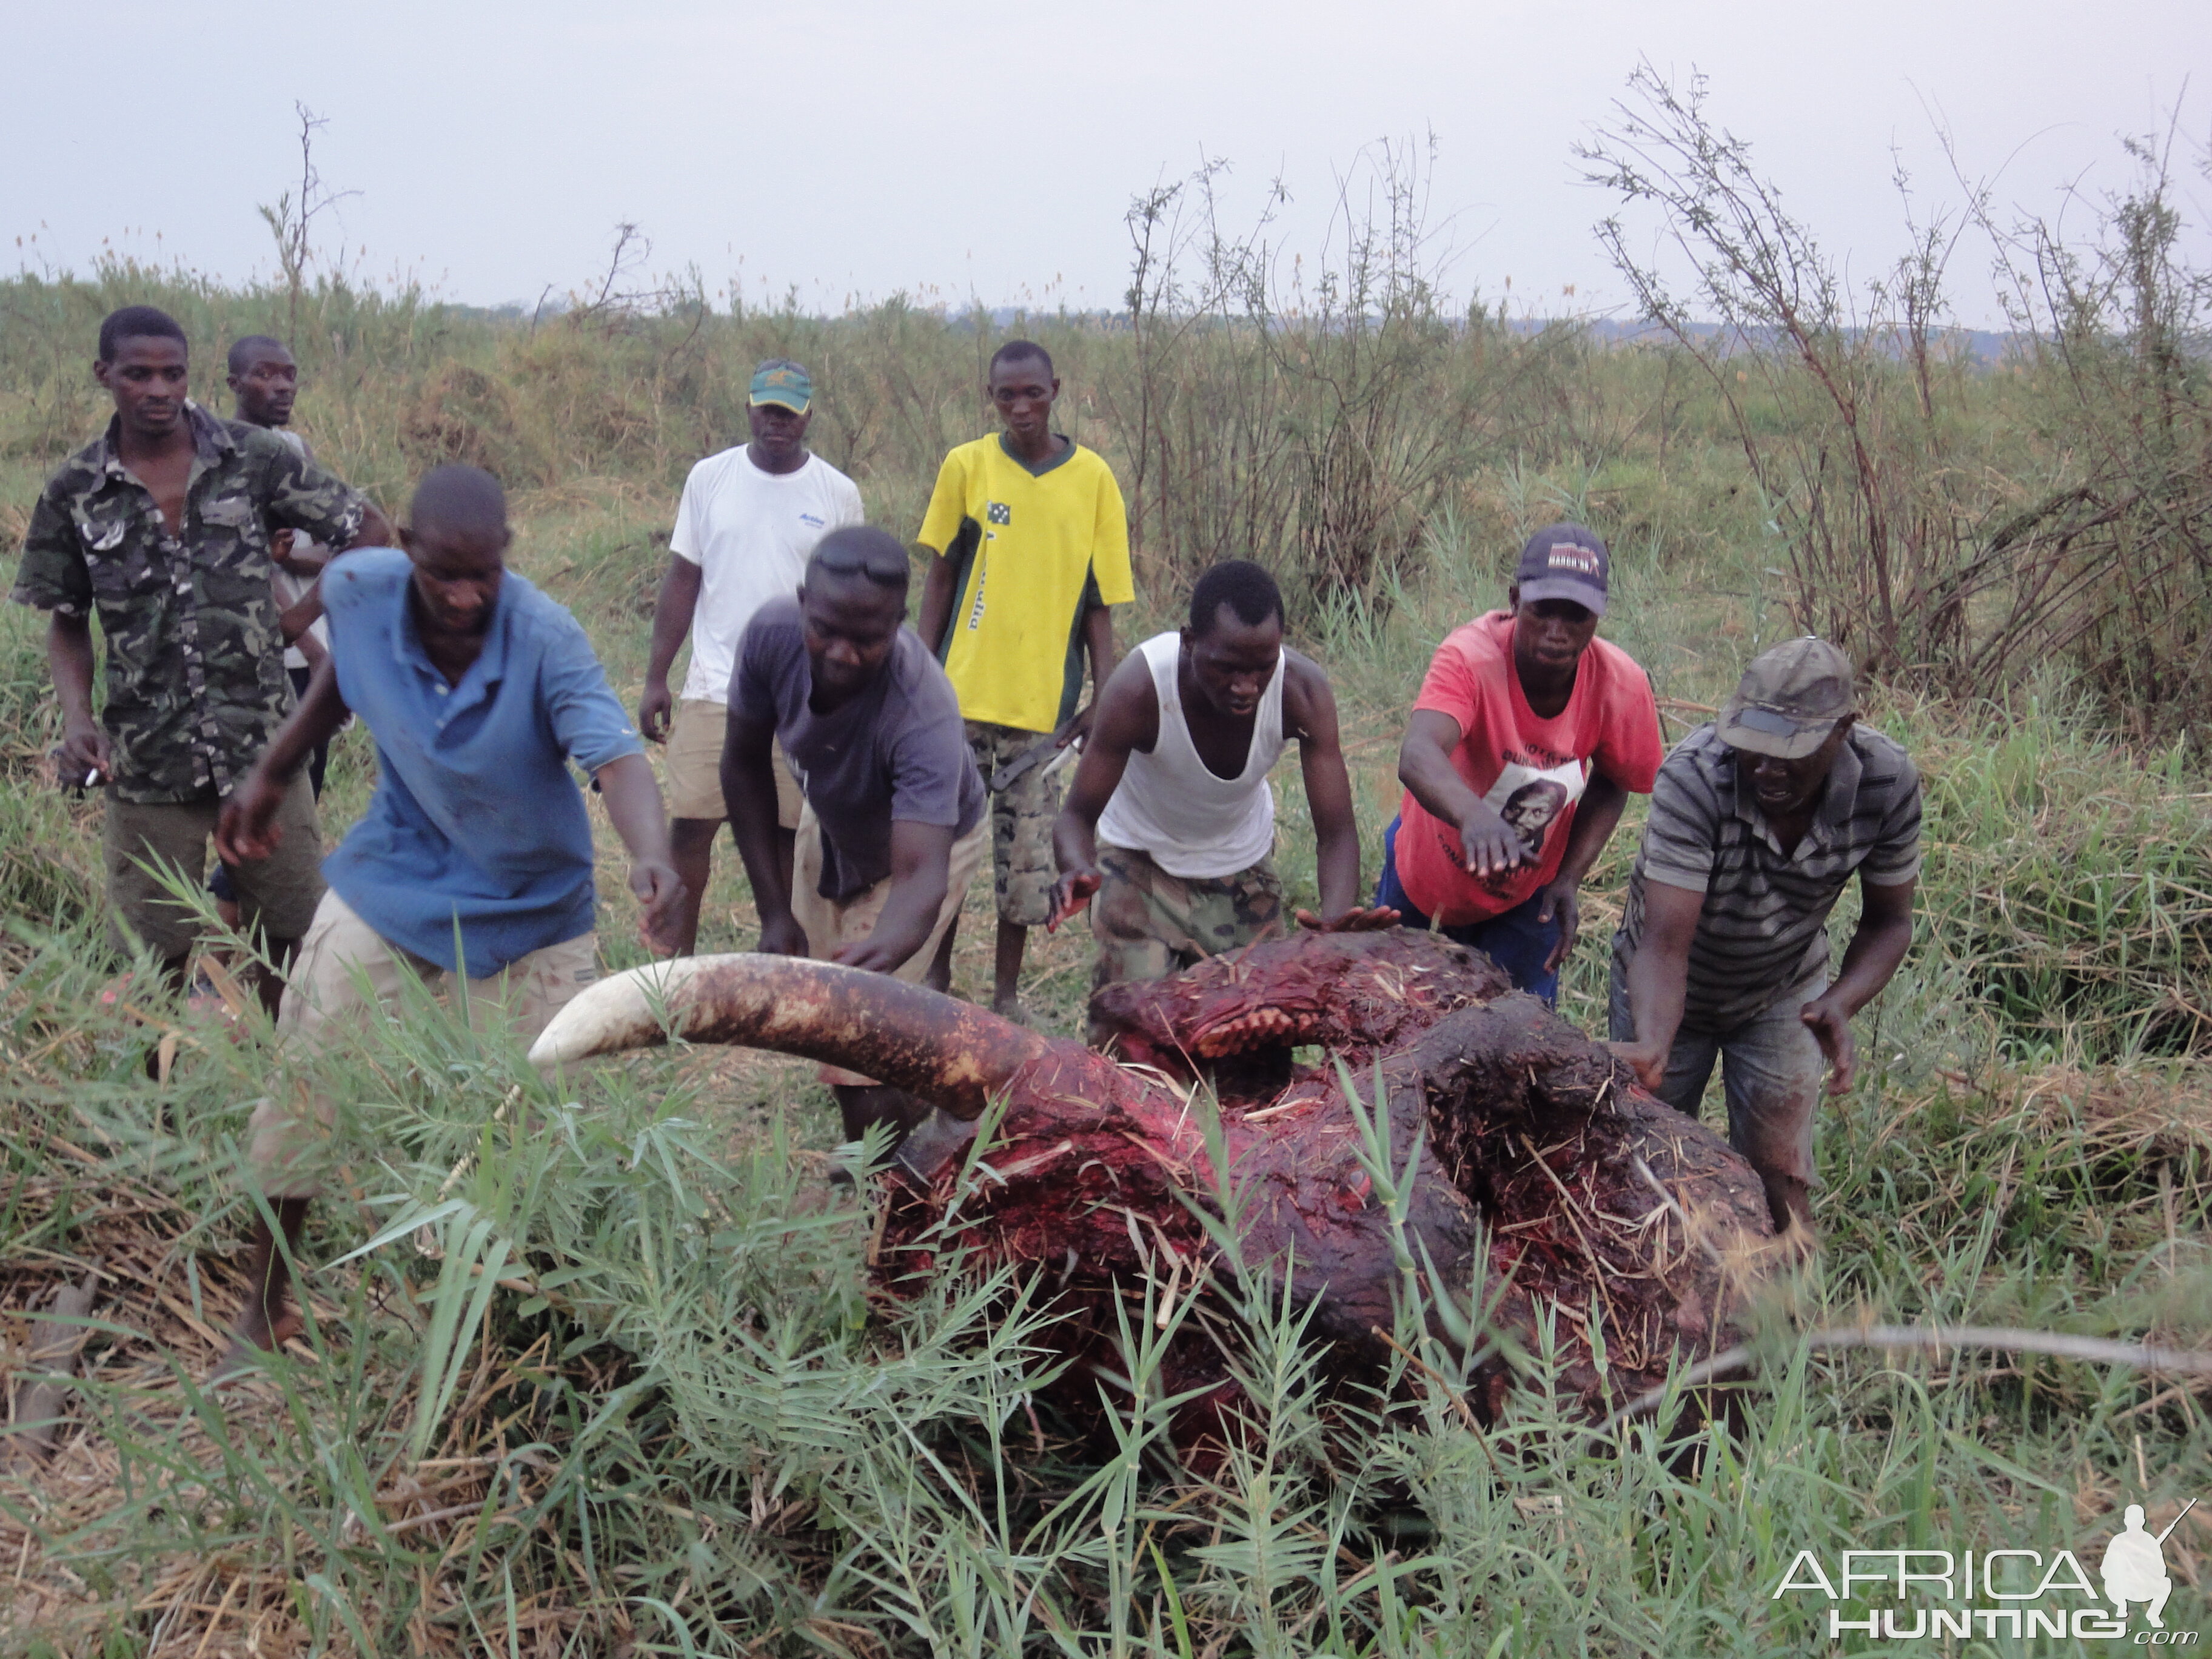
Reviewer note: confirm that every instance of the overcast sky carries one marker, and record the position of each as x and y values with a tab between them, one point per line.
866	147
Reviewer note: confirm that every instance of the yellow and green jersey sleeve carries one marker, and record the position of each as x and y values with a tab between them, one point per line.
1032	552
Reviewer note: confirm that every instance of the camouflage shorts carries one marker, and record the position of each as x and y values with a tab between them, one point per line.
1149	924
1021	867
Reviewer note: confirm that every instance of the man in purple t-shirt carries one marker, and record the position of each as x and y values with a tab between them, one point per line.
893	826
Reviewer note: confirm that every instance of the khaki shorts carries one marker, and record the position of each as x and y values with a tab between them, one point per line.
694	767
831	924
1149	924
287	1143
276	896
1022	870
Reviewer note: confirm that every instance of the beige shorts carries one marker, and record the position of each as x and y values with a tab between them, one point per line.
288	1140
830	925
276	896
694	767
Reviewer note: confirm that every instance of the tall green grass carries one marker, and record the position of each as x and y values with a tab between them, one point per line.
583	1374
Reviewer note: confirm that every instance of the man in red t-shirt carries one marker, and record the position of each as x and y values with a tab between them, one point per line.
1528	737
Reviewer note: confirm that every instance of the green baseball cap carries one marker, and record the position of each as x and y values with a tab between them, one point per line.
784	383
1788	700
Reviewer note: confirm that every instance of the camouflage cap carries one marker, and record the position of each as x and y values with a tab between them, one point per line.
1788	700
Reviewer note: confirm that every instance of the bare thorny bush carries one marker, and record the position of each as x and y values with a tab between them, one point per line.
1315	419
1928	568
2121	324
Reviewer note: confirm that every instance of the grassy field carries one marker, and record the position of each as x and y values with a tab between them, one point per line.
595	1367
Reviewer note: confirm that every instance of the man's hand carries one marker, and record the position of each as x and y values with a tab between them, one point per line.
1832	1029
1077	729
660	892
653	709
1351	921
869	955
85	752
1489	844
307	566
1561	899
248	828
1647	1060
784	937
1070	894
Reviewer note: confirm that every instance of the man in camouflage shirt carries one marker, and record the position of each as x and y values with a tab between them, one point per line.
163	526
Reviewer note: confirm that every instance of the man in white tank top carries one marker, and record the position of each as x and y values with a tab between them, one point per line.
1171	821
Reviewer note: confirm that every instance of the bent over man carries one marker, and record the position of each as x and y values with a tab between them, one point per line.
1171	821
1528	738
1758	821
474	857
165	526
893	827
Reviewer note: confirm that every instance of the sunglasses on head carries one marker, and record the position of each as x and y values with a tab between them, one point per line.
882	572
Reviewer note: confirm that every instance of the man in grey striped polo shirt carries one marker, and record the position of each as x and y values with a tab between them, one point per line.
1757	822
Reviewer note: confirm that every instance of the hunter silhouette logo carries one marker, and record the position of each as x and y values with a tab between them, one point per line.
1918	1594
2135	1565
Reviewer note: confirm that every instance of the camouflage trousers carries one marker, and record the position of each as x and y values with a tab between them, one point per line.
1021	867
1149	924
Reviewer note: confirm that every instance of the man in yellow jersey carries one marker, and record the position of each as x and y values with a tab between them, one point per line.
1032	545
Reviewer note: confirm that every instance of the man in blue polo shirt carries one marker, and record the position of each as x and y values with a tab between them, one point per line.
475	858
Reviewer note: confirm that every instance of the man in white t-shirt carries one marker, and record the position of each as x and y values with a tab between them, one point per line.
748	518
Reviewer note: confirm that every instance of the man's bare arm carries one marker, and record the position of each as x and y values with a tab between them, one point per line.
376	530
1878	946
921	875
749	794
1309	707
939	587
1127	719
321	711
1487	843
1098	641
247	827
85	749
634	807
302	613
297	619
1597	816
1659	978
672	620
